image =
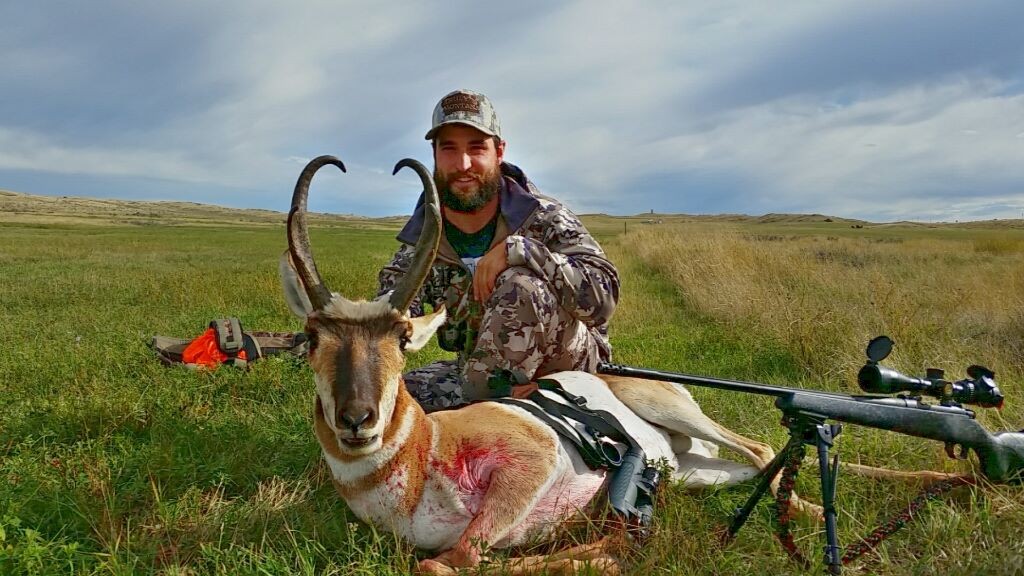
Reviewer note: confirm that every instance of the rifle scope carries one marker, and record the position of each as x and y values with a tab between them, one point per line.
979	388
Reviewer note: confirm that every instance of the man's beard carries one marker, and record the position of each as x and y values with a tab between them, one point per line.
489	185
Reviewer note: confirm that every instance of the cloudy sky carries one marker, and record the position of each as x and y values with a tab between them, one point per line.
877	110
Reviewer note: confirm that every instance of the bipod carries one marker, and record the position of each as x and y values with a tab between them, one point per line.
805	429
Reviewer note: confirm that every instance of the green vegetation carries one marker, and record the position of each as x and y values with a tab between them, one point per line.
113	464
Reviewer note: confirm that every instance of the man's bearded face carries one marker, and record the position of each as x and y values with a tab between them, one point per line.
458	194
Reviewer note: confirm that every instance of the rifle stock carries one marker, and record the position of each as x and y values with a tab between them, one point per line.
806	413
1001	455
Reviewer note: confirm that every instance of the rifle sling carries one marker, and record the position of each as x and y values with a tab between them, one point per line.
598	423
601	421
592	455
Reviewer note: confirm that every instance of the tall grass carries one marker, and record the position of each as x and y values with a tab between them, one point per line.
797	306
946	302
792	306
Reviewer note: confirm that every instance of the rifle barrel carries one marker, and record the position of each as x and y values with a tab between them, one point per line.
719	383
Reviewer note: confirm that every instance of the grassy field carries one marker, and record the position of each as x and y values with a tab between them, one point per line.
113	464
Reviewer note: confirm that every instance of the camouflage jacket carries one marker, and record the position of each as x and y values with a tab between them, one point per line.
542	235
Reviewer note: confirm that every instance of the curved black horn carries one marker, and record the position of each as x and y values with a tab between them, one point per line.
298	236
430	238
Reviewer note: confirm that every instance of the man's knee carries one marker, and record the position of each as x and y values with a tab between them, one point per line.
518	288
436	386
519	278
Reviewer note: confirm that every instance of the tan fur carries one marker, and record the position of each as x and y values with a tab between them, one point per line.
524	447
390	363
359	360
593	558
671	407
380	333
925	476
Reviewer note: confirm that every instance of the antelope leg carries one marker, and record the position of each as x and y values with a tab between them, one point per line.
594	556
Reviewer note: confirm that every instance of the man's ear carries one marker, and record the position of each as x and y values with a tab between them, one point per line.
294	293
500	151
423	328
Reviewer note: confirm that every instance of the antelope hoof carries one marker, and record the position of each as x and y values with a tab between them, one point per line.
807	510
434	567
605	566
450	561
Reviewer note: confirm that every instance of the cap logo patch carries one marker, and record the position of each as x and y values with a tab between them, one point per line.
460	103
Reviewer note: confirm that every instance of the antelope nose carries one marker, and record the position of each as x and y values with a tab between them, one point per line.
353	419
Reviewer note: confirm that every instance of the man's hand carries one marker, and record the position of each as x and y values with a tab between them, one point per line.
523	391
487	269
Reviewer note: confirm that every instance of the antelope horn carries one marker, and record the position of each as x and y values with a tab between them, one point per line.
426	247
298	235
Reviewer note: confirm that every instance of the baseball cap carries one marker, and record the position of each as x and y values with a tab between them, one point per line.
465	107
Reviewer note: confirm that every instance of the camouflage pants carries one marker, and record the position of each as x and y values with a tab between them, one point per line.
523	329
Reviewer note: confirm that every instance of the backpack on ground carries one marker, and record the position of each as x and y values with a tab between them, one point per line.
225	342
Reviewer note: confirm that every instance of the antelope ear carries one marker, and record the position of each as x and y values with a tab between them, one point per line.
423	328
294	293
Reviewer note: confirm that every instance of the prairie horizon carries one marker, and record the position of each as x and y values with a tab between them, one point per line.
27	207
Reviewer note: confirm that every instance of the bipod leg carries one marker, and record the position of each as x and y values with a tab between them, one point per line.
826	433
742	513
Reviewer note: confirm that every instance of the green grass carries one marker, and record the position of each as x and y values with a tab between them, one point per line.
113	464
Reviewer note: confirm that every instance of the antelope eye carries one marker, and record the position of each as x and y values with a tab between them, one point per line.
403	341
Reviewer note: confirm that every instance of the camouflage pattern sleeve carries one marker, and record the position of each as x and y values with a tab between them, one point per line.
568	257
394	270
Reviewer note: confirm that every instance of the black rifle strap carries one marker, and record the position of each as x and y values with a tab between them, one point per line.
598	423
600	420
594	457
631	483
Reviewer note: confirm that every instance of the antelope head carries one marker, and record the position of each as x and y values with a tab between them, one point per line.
357	348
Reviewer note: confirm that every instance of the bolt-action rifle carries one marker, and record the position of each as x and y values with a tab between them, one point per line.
806	412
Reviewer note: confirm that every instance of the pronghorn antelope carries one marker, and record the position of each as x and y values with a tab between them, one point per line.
487	475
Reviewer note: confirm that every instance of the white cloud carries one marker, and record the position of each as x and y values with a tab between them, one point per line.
596	98
22	150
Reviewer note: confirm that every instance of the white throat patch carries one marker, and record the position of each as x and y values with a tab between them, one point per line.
347	472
